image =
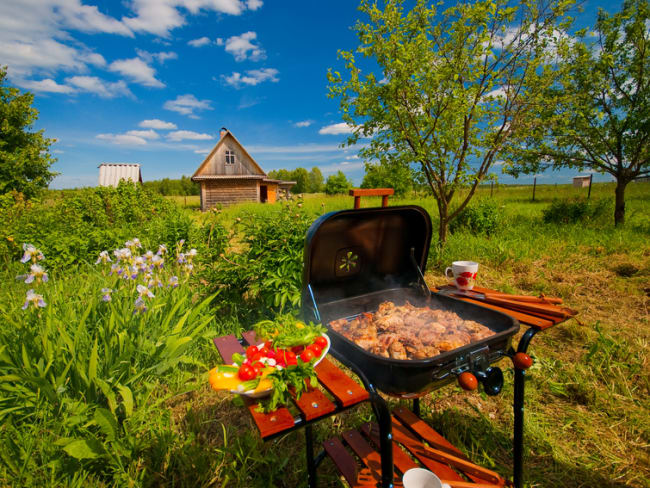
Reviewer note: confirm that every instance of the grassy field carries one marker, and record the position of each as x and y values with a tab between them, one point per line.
587	399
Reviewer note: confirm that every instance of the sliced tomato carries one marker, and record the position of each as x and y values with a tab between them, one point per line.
321	341
251	351
246	372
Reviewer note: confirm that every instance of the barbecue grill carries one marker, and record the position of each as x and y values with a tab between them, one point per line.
356	259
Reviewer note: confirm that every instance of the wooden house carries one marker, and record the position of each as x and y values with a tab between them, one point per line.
230	175
110	174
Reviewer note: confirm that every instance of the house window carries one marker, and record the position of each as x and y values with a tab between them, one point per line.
230	157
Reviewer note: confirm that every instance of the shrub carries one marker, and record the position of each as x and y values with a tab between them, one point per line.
482	218
337	183
571	211
72	227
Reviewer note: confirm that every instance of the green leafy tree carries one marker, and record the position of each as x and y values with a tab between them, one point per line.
386	175
447	90
598	116
301	177
24	158
316	181
337	183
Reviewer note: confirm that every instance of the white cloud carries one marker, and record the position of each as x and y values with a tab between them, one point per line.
298	149
186	105
137	70
344	166
156	124
219	41
145	134
254	4
252	77
99	87
201	41
240	46
336	129
303	123
203	151
181	135
496	93
46	86
161	57
122	139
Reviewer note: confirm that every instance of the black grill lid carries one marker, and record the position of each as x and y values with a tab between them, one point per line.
354	252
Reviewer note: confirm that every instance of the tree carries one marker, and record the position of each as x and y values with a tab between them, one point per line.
315	184
301	177
453	87
337	183
386	175
24	158
598	116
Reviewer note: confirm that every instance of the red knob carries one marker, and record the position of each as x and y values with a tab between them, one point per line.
467	381
522	360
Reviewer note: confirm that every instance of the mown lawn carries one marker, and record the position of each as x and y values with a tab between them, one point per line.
587	403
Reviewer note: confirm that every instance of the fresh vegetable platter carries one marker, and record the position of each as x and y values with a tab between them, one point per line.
286	359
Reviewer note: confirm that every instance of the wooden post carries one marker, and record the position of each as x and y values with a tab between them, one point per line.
534	186
357	202
591	177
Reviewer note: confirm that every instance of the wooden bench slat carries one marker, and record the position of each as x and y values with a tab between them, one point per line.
369	457
250	338
401	460
341	386
345	462
228	345
415	447
313	404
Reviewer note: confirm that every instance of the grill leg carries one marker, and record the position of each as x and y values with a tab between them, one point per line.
385	438
309	449
416	406
518	405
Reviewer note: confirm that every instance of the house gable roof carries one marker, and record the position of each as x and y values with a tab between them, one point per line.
197	174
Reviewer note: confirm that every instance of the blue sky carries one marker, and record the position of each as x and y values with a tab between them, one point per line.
153	81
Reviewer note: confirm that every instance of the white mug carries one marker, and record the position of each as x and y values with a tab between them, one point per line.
463	273
422	478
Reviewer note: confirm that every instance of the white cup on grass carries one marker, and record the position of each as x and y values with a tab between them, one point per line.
422	478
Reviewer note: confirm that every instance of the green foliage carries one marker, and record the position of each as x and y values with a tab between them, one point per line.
574	211
306	181
263	273
482	218
387	175
596	115
168	187
446	89
337	183
24	158
75	226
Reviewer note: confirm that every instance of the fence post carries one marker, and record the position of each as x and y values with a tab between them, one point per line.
591	177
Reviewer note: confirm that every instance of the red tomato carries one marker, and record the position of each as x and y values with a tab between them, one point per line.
316	349
264	352
307	355
321	341
289	356
268	344
251	351
258	368
256	357
292	362
271	354
246	372
297	349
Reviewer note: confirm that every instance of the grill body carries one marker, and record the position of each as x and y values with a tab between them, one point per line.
356	259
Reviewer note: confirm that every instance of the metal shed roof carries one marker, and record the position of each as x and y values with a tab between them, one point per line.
110	174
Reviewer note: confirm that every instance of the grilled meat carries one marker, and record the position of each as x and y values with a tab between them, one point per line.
409	332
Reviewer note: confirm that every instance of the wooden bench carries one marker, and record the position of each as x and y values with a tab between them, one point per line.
415	445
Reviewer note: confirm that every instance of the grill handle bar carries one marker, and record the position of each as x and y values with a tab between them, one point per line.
313	300
423	284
